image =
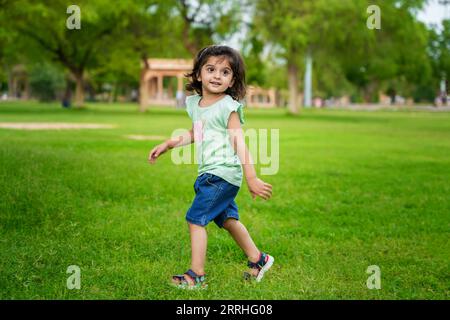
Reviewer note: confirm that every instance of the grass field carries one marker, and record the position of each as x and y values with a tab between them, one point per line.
354	189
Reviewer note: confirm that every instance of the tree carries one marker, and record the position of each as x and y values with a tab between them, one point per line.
439	53
150	28
205	19
393	58
345	51
44	23
256	72
304	28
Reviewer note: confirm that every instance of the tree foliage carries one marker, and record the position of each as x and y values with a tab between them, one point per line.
114	42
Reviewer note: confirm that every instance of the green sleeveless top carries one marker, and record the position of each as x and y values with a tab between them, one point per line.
214	151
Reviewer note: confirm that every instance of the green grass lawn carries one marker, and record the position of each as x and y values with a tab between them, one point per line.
354	189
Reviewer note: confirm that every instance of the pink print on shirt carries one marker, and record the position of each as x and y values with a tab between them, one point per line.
198	131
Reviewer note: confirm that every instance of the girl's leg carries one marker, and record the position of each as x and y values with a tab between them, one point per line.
199	241
198	253
242	238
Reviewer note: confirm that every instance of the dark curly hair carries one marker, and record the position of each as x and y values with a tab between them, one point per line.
237	91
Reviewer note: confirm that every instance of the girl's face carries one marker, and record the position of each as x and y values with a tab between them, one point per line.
216	75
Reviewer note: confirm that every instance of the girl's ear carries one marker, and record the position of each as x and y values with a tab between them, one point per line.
231	83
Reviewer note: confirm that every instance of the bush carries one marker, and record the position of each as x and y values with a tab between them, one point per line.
46	82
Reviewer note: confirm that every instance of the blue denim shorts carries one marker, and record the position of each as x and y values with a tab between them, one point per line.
214	200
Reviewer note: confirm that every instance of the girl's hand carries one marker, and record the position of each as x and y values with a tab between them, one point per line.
259	188
157	151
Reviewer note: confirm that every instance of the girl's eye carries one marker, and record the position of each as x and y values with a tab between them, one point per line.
210	69
225	73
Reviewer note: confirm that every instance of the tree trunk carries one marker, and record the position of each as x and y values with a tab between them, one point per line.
111	93
10	83
293	87
143	92
26	88
190	44
79	89
143	85
369	91
187	43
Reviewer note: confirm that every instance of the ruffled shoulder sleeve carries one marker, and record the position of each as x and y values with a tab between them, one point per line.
190	104
229	106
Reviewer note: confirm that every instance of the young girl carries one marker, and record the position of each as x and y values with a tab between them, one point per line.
218	78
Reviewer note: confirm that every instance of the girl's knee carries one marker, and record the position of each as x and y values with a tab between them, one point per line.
194	227
229	223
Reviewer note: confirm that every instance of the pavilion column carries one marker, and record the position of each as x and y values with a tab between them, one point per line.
160	87
180	83
151	87
272	97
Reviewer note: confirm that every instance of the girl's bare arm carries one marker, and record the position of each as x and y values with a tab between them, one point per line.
179	141
256	186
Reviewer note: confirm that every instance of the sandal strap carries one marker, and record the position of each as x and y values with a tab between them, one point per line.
197	278
179	277
261	262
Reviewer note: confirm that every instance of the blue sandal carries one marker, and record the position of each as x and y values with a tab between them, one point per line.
264	263
181	282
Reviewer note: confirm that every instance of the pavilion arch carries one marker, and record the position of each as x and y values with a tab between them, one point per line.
159	69
258	97
18	83
155	93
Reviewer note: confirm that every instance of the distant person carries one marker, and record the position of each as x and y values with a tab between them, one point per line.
66	97
180	99
218	78
66	102
444	99
134	95
438	101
